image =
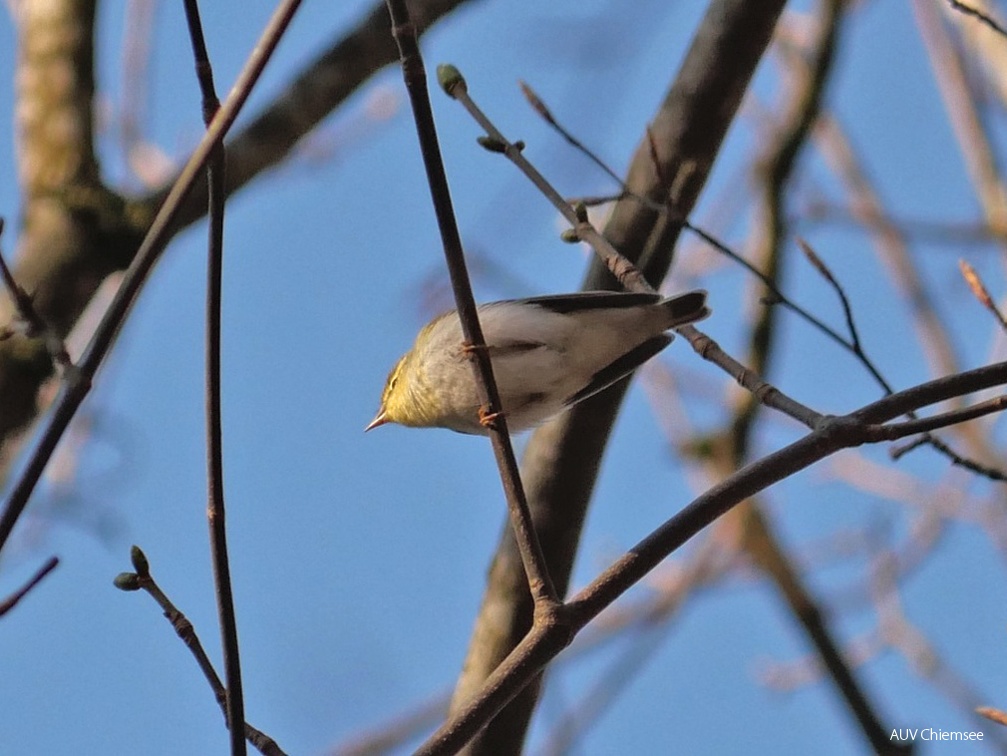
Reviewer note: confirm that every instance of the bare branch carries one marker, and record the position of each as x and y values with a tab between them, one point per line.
141	579
540	584
11	601
215	510
987	19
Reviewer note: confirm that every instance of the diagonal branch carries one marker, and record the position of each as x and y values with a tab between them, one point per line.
143	580
14	599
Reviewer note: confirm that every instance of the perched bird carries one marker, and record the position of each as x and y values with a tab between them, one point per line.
548	353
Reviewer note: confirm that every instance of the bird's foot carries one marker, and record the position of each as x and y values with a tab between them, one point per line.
470	349
489	419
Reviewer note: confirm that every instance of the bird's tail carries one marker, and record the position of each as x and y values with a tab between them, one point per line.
686	308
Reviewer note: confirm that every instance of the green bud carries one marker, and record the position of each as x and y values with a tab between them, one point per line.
450	78
127	581
570	236
491	145
139	560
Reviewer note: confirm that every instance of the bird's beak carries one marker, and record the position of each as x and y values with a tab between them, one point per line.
379	419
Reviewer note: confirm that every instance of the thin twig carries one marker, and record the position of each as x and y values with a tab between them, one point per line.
823	269
77	379
542	109
980	292
143	580
987	19
953	417
215	511
625	272
956	459
890	241
854	345
11	601
776	296
539	582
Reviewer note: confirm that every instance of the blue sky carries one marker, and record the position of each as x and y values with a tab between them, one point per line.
359	561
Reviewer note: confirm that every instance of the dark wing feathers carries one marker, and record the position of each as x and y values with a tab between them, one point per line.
684	308
688	307
591	300
621	367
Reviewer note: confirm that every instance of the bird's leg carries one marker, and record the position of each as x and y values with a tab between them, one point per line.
469	350
488	419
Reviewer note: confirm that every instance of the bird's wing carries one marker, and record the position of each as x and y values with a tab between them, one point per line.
621	366
591	300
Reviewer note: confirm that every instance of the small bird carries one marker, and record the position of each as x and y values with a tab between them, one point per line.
548	353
